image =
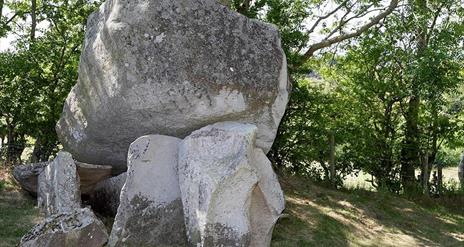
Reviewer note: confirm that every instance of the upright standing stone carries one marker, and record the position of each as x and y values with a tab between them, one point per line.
217	180
150	211
170	67
59	186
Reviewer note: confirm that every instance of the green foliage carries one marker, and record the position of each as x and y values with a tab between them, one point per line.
365	94
2	185
361	96
36	76
448	157
317	109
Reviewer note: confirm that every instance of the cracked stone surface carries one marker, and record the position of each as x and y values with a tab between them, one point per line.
79	227
170	67
150	211
58	186
230	194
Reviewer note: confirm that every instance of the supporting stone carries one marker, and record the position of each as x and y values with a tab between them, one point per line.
217	180
58	189
150	211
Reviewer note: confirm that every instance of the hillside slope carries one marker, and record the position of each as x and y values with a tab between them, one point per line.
317	216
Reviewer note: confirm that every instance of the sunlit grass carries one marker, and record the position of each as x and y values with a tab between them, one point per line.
316	216
361	181
18	212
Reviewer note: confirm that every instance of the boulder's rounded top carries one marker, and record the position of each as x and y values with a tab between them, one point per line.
171	67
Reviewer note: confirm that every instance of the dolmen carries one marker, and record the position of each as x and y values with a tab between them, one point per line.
182	100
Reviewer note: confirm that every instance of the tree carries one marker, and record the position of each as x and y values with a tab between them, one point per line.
414	85
44	64
337	21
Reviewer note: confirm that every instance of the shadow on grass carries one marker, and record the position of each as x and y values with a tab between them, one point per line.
324	217
293	231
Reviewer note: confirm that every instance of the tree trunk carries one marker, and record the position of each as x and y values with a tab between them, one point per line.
15	146
425	176
1	8
33	19
43	149
435	130
35	157
332	158
439	178
10	145
410	149
461	171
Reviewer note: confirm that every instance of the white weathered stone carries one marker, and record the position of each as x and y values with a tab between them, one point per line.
170	67
58	190
79	227
150	211
105	196
267	201
217	179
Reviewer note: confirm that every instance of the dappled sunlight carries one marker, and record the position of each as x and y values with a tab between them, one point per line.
362	218
457	236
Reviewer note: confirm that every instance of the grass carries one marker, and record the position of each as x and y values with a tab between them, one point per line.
317	216
360	181
314	216
17	211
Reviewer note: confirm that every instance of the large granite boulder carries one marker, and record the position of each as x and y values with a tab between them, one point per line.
150	211
170	67
58	189
27	176
105	197
74	228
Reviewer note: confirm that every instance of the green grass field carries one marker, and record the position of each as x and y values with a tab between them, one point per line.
18	212
317	216
360	181
314	216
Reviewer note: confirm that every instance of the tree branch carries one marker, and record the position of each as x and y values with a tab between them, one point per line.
326	43
321	18
11	18
2	2
434	22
